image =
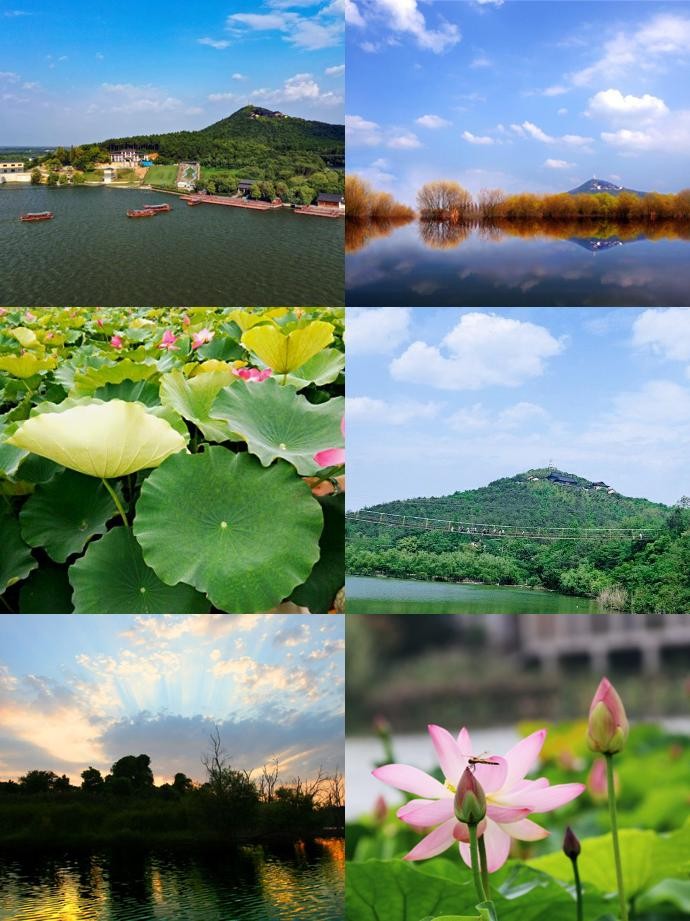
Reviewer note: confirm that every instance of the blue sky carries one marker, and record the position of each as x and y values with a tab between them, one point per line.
535	96
78	72
449	399
78	691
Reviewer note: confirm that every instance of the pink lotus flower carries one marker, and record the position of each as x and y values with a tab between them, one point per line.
607	730
510	797
29	317
168	341
185	320
99	323
3	311
202	337
332	457
116	342
597	785
252	374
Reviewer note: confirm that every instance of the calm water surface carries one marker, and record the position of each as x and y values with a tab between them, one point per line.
255	886
91	253
367	595
401	270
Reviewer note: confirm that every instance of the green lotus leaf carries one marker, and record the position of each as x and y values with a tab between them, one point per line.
25	365
193	397
112	578
65	513
87	380
145	392
276	422
16	560
328	575
283	353
321	369
100	439
244	534
46	591
24	336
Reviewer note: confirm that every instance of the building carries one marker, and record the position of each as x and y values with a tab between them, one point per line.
244	186
562	480
325	200
108	175
11	167
13	171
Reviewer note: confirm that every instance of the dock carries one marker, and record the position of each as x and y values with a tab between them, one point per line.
232	202
320	212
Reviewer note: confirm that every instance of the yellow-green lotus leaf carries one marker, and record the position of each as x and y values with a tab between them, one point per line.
25	365
214	364
245	319
100	439
24	336
284	353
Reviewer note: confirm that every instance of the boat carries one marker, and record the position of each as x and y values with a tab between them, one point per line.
165	207
140	212
37	216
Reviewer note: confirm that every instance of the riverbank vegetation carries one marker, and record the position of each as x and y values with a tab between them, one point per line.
371	214
162	461
648	575
43	808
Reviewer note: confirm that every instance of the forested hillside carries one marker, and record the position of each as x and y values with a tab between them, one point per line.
632	575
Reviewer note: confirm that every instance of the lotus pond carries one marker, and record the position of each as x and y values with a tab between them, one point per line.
536	883
170	461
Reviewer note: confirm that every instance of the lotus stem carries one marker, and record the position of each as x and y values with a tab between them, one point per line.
474	857
614	836
485	872
578	890
118	504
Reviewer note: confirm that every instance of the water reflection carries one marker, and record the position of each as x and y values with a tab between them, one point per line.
247	885
572	263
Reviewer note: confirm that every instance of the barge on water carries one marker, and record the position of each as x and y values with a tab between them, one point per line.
140	212
32	216
158	208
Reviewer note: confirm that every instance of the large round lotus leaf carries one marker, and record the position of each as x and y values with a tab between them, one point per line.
25	365
328	575
100	439
112	578
90	379
192	398
244	534
16	561
321	369
285	353
65	513
275	421
46	591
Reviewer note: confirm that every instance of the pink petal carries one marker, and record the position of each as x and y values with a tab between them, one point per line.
491	776
464	742
526	830
497	843
503	814
412	780
423	812
333	457
545	799
449	755
436	842
523	757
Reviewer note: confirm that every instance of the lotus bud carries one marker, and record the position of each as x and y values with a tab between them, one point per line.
608	728
571	844
597	784
470	801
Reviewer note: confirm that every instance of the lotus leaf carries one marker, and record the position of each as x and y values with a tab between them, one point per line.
65	513
24	336
246	320
88	380
46	591
112	578
244	534
321	369
25	365
100	439
326	578
276	422
283	353
16	560
192	398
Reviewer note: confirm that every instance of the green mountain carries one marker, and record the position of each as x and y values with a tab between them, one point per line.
642	575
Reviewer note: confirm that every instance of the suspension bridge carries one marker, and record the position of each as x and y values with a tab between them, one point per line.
497	531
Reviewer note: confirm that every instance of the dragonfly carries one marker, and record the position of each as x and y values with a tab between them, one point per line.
484	758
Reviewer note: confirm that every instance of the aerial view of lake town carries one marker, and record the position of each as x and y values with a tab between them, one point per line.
143	189
532	154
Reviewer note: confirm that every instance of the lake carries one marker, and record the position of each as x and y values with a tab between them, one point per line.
141	886
91	253
482	270
366	595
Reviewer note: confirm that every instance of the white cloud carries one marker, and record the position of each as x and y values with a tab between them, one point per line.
404	16
670	134
612	103
407	141
557	90
379	412
335	71
218	44
562	111
310	33
666	332
300	87
529	129
480	61
145	98
482	350
476	138
360	132
222	97
240	77
655	416
376	331
432	121
353	17
558	164
477	417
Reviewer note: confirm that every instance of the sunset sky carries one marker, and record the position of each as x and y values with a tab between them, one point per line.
526	96
78	691
70	74
445	400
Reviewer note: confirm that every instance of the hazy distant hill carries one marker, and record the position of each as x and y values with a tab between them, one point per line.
599	186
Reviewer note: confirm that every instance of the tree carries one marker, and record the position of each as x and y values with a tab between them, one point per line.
135	770
92	780
36	176
269	780
444	200
182	783
40	782
52	178
230	788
